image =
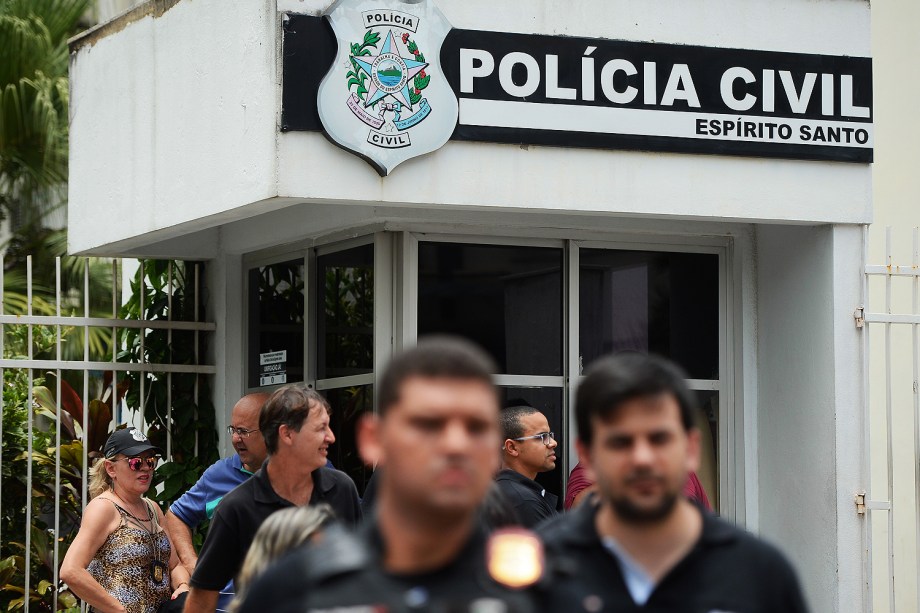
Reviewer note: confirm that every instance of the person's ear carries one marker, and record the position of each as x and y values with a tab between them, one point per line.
285	435
368	439
109	468
510	447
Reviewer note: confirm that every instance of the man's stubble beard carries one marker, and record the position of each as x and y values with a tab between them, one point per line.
628	512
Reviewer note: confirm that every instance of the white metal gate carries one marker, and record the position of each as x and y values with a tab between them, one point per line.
33	325
891	322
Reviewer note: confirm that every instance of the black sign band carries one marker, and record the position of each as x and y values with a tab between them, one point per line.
582	92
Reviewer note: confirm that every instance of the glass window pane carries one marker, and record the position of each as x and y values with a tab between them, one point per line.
664	303
708	424
345	312
548	401
507	299
276	323
348	405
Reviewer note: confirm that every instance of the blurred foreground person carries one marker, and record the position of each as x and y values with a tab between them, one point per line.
282	532
644	546
581	485
294	423
121	559
436	438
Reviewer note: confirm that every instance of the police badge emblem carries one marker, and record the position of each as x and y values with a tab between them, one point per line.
385	97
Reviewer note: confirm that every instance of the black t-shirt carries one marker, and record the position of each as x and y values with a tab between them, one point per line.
242	511
343	571
531	502
727	570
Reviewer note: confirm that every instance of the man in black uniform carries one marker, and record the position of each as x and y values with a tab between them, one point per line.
437	437
295	425
529	448
641	545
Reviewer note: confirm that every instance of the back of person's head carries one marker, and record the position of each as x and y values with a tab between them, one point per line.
496	511
614	380
434	357
283	531
288	406
510	418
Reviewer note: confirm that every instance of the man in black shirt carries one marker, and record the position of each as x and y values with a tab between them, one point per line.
437	438
642	546
295	425
529	448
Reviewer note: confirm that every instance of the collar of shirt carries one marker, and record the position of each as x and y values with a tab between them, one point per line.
638	582
237	463
264	492
582	529
506	474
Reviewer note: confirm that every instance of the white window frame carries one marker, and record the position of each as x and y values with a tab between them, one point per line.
395	317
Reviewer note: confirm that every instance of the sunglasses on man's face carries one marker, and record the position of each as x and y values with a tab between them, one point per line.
136	464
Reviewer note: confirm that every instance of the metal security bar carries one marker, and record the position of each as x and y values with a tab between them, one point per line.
892	325
13	366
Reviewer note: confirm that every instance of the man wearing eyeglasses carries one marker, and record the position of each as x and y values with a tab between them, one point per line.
295	425
198	503
529	448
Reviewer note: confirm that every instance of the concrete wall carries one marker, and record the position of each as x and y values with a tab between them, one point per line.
896	196
172	118
809	406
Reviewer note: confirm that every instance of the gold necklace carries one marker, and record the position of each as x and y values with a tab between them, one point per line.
130	514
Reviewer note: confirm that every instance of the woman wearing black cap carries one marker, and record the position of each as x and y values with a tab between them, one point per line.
121	559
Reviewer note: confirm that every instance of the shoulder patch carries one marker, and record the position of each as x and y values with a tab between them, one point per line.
514	557
336	551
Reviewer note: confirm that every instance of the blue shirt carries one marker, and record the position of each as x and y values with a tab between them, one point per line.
198	503
638	582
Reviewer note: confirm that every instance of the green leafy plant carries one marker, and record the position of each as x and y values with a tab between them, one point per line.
188	415
16	458
191	419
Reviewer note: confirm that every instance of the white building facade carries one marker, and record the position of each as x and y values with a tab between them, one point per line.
574	211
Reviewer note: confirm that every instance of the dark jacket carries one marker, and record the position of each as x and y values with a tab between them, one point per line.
532	503
727	570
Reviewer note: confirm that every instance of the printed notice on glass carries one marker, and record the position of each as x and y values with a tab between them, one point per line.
272	368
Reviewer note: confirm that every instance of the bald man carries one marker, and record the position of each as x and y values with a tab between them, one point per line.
198	504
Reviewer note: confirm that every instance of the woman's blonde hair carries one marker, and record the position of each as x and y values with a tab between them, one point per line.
281	532
99	479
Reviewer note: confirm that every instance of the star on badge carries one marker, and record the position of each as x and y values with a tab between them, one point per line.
390	73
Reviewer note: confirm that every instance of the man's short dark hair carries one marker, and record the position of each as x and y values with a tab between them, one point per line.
288	406
614	380
510	419
434	357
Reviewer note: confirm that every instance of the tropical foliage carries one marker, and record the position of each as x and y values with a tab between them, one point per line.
34	117
167	290
33	104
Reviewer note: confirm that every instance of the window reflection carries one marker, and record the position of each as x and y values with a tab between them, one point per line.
345	312
276	323
348	405
664	303
507	299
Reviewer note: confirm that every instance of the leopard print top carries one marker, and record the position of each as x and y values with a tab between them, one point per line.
122	566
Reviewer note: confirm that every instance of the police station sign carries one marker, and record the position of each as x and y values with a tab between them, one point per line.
604	93
581	92
383	98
